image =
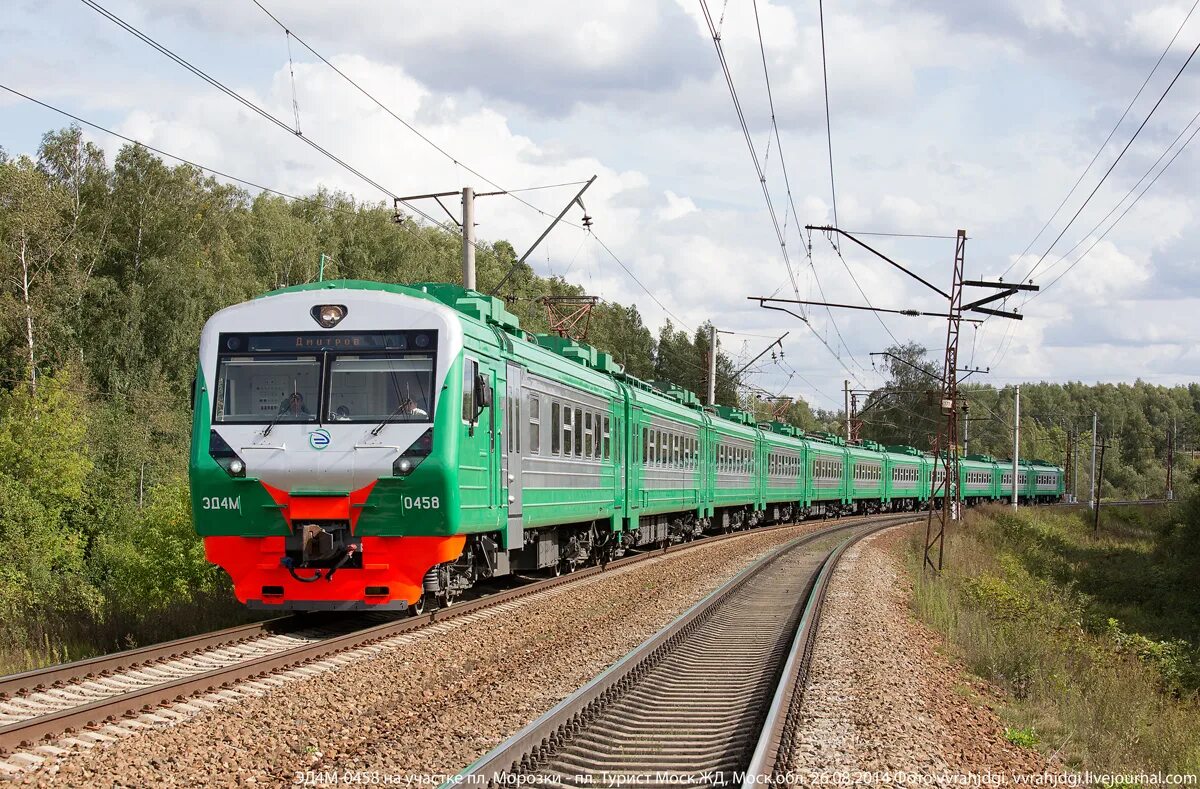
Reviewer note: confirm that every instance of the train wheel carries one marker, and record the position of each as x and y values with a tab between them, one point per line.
420	607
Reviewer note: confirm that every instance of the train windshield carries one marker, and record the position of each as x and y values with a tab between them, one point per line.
380	388
265	388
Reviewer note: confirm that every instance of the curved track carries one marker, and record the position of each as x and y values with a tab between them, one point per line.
77	696
706	700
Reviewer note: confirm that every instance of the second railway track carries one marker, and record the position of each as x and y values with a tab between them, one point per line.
706	700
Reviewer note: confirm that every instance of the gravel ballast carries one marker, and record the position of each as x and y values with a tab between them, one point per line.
433	701
881	699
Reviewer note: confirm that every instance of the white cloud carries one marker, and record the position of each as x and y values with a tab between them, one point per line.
676	207
943	115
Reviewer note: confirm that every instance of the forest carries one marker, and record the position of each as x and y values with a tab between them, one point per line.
108	274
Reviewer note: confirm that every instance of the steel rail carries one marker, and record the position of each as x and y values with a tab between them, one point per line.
28	732
38	679
779	728
1126	503
552	735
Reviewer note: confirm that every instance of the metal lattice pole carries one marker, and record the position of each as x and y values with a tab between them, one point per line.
945	447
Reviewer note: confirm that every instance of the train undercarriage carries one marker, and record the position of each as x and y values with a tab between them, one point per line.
559	550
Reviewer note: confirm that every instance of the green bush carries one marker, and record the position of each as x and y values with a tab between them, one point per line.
1023	737
1021	601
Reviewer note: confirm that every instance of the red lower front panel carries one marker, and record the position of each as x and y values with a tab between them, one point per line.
397	563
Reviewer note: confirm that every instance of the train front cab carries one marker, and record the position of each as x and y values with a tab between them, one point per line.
323	420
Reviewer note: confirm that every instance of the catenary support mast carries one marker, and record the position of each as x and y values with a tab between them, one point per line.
1016	447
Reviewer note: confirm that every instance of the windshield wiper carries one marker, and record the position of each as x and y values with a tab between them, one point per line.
282	410
379	428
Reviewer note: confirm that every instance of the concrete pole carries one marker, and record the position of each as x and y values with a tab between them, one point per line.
1172	436
712	365
468	234
966	430
1092	478
846	390
1075	469
1016	447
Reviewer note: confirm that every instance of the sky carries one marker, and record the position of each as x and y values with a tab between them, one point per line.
943	116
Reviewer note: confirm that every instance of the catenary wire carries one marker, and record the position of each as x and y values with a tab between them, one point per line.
458	162
788	187
1001	347
1104	144
861	292
762	177
1127	195
1005	342
1112	166
169	155
260	111
828	127
167	52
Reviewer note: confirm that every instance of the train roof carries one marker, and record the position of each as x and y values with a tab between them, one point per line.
490	310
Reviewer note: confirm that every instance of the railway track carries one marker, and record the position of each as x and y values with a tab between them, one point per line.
80	700
707	699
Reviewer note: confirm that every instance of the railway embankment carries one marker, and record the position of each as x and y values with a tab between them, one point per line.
1089	638
434	700
883	703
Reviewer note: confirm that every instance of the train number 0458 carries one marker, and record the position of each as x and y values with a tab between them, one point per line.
421	503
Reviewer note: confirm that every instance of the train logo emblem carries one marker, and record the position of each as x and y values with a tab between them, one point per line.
319	439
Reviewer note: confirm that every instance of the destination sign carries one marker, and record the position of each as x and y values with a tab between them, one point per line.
290	342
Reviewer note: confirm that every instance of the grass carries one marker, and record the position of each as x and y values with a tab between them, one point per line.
1024	737
46	641
1093	637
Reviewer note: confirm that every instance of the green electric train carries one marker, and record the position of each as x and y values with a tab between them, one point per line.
359	445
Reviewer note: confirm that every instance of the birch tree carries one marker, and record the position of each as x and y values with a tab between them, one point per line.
33	238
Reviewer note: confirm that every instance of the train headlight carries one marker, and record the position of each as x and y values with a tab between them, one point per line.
221	452
411	458
329	315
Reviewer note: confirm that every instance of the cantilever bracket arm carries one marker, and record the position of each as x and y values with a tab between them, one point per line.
546	232
1004	294
778	342
762	303
910	313
1016	316
877	253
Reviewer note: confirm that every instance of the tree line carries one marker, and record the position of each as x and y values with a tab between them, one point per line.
1134	419
108	273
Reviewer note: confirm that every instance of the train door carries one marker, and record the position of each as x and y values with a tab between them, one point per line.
635	454
512	451
614	440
